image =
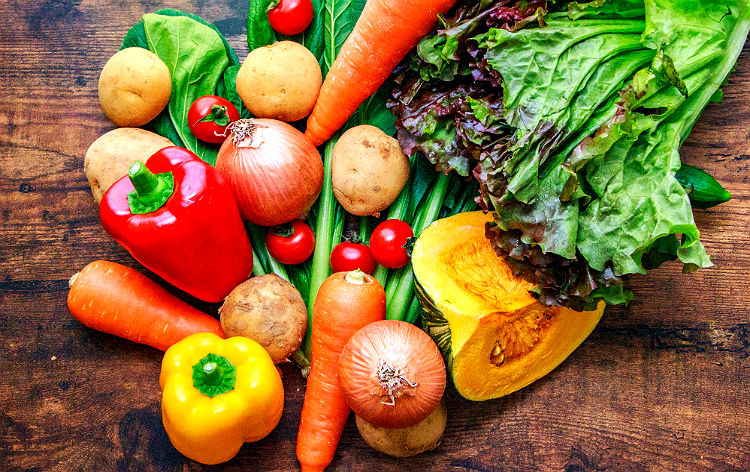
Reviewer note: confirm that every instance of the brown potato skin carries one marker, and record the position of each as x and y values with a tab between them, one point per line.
406	442
134	87
368	170
268	310
110	156
280	81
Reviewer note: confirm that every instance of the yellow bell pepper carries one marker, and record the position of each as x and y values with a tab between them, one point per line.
218	394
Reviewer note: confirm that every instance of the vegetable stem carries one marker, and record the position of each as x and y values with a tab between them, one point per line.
258	268
324	226
400	292
269	264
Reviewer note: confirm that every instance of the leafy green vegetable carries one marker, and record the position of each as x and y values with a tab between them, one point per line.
196	59
200	61
577	155
373	111
339	17
313	37
259	30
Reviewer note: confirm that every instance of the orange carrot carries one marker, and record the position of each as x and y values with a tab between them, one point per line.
346	302
385	32
118	300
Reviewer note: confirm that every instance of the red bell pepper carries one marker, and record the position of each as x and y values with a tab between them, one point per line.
178	217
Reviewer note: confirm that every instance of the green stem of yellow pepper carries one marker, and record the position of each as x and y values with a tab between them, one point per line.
214	375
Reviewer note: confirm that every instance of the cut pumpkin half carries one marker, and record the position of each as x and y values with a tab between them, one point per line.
496	338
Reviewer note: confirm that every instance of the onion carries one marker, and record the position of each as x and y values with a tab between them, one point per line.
391	374
274	170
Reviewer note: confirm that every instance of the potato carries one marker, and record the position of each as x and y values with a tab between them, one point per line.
134	87
368	170
405	442
280	81
268	310
109	157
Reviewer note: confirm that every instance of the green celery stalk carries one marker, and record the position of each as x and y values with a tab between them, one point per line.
397	211
412	313
402	286
258	268
258	240
364	229
324	226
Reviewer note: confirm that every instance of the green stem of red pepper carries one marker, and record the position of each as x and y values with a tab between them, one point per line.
151	190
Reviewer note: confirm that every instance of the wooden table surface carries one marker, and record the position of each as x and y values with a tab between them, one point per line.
660	385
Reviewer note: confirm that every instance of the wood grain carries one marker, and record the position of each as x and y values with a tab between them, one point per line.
661	385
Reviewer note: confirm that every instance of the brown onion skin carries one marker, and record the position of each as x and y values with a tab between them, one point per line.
276	173
402	345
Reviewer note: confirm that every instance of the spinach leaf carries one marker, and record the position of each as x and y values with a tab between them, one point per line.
312	37
339	19
226	86
374	112
135	37
196	58
162	125
259	31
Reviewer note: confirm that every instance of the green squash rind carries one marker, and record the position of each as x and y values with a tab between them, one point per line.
435	324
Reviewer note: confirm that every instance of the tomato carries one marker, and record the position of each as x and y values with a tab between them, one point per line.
351	256
292	243
291	17
209	116
387	243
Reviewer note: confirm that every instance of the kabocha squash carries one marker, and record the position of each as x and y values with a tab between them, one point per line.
496	338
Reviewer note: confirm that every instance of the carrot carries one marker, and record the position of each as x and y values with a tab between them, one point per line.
118	300
345	302
385	32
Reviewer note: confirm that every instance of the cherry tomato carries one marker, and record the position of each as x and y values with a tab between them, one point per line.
209	116
292	243
291	17
387	243
351	256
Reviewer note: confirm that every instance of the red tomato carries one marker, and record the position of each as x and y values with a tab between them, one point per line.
291	17
293	246
209	116
387	243
351	256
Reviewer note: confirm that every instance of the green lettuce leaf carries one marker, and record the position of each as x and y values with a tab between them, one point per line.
578	163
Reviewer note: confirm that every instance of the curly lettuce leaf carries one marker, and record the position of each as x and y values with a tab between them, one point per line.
577	155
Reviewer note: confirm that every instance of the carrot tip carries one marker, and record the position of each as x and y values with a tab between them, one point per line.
72	280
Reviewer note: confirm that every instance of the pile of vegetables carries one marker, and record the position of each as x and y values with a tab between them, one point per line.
569	116
228	187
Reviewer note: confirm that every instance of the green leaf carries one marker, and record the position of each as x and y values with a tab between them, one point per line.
227	88
339	18
373	111
135	37
313	36
163	123
259	30
231	56
196	58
